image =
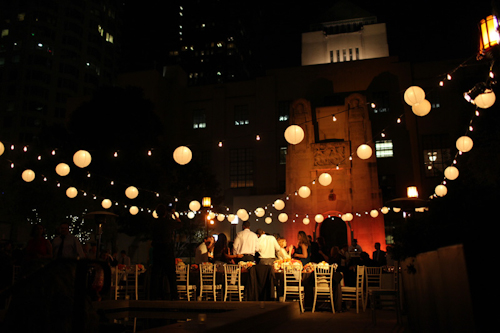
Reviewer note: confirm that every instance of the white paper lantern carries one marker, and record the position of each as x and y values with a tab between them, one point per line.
155	214
306	220
486	99
134	210
221	217
325	179
349	216
364	151
211	215
71	192
451	173
396	209
268	220
131	192
194	206
441	190
241	213
421	109
259	212
62	169
279	204
283	217
414	95
319	218
82	158
183	155
191	215
106	203
344	218
464	143
2	148
231	217
374	213
28	175
294	134
384	210
304	191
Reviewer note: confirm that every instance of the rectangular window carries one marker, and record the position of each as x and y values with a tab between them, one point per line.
241	168
283	110
241	116
436	158
350	54
199	119
338	55
384	149
331	56
344	54
357	53
283	151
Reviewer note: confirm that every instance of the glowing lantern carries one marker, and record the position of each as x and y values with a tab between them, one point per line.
2	148
396	209
206	201
106	203
441	190
464	143
421	109
62	169
283	217
486	99
384	210
268	220
279	204
488	34
451	173
71	192
259	212
241	213
221	217
374	213
82	158
364	151
182	155
231	217
306	221
294	134
191	215
414	95
211	215
319	218
304	191
134	210
194	206
325	179
131	192
155	214
412	192
28	175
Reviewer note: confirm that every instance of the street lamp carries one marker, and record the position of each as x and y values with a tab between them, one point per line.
207	203
489	36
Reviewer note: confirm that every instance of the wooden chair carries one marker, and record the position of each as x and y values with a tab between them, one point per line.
293	284
208	286
373	281
380	298
184	289
355	293
126	282
232	278
323	278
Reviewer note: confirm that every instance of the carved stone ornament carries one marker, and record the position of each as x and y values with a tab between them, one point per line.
330	154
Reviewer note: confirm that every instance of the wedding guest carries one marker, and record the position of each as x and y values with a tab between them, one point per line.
124	259
283	253
246	243
303	250
267	248
222	253
66	245
319	253
204	250
379	256
335	256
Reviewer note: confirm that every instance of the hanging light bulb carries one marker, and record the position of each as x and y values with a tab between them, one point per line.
334	118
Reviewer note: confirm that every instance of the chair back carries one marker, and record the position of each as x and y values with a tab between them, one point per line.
182	274
360	277
373	277
207	276
232	275
323	276
293	276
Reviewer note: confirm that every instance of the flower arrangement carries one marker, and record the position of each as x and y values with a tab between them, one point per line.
245	265
309	267
280	264
177	261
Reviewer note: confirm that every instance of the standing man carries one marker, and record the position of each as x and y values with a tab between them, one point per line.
66	245
204	250
379	258
268	246
124	259
246	243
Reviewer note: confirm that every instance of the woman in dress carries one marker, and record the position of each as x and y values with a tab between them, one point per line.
303	250
222	254
283	253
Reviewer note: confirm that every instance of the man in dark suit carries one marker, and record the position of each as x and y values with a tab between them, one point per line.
379	256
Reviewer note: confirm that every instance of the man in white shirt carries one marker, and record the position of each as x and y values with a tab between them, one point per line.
246	243
268	245
203	251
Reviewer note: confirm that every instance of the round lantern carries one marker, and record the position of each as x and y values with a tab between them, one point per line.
259	212
268	220
294	134
155	214
71	192
82	158
62	169
182	155
131	192
451	173
441	190
2	148
134	210
384	210
325	179
221	217
211	215
28	175
396	209
194	206
231	217
306	221
464	143
279	204
374	213
283	217
106	203
241	213
414	95
319	218
364	151
191	215
349	216
421	109
304	191
486	99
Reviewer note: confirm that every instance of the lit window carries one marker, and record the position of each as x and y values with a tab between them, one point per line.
241	115
5	32
241	168
199	119
109	37
100	30
21	16
283	110
283	152
383	149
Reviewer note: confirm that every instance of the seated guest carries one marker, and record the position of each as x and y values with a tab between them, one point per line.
283	253
222	253
303	250
204	250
